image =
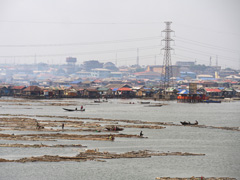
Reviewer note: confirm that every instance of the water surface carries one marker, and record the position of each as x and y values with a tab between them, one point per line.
220	146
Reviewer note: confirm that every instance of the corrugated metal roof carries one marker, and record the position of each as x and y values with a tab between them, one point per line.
212	90
228	89
184	91
18	87
57	88
114	89
32	88
124	89
76	82
103	89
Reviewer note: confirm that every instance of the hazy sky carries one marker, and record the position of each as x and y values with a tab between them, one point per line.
112	30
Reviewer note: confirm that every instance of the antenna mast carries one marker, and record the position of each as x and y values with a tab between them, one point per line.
216	60
137	57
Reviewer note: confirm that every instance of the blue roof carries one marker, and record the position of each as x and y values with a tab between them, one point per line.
179	89
179	79
67	86
185	72
206	78
115	89
185	91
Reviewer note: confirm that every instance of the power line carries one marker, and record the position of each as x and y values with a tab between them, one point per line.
83	43
204	53
131	58
89	53
113	23
205	44
189	57
209	46
207	29
80	23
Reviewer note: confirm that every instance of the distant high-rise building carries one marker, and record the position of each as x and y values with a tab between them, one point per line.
71	62
185	63
92	64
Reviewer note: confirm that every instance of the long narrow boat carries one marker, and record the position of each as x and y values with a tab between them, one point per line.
98	101
154	105
73	109
211	101
145	102
188	123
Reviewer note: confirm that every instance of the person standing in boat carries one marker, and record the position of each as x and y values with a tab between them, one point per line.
141	134
81	107
62	126
37	126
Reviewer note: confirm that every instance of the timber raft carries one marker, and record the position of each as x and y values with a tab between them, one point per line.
99	156
42	145
75	120
196	178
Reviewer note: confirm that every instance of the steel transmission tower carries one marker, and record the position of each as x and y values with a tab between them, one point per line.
167	64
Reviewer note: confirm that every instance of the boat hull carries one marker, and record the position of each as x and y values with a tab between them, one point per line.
73	109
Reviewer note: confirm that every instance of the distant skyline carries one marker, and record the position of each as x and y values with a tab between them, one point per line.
110	30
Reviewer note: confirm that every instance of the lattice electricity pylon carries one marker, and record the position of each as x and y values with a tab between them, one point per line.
167	64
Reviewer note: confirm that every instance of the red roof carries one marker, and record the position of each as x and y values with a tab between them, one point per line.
97	81
92	89
124	89
212	90
32	88
18	87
